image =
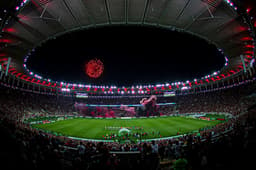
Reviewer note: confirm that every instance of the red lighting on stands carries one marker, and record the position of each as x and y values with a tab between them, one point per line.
10	30
247	39
246	60
249	46
248	56
241	28
3	55
248	52
17	75
11	69
5	41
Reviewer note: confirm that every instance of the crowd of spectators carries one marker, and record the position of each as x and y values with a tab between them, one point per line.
230	100
212	148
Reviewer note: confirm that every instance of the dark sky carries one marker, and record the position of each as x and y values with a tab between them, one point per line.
131	55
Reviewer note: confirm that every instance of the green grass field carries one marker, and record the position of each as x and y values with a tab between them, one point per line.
95	128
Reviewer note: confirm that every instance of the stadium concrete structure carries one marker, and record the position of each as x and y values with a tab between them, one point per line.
223	23
25	95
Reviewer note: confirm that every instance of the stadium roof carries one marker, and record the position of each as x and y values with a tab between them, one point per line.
28	23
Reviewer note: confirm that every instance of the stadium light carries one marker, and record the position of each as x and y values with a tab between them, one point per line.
65	90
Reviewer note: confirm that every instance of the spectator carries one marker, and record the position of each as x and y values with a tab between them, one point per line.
154	147
81	149
181	163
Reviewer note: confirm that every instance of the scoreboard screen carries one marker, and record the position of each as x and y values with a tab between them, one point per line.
81	95
169	93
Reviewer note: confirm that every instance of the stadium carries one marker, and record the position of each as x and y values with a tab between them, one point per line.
127	84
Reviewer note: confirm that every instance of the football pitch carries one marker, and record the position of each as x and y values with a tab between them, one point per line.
148	128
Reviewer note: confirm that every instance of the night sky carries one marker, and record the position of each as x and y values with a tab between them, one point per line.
131	55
